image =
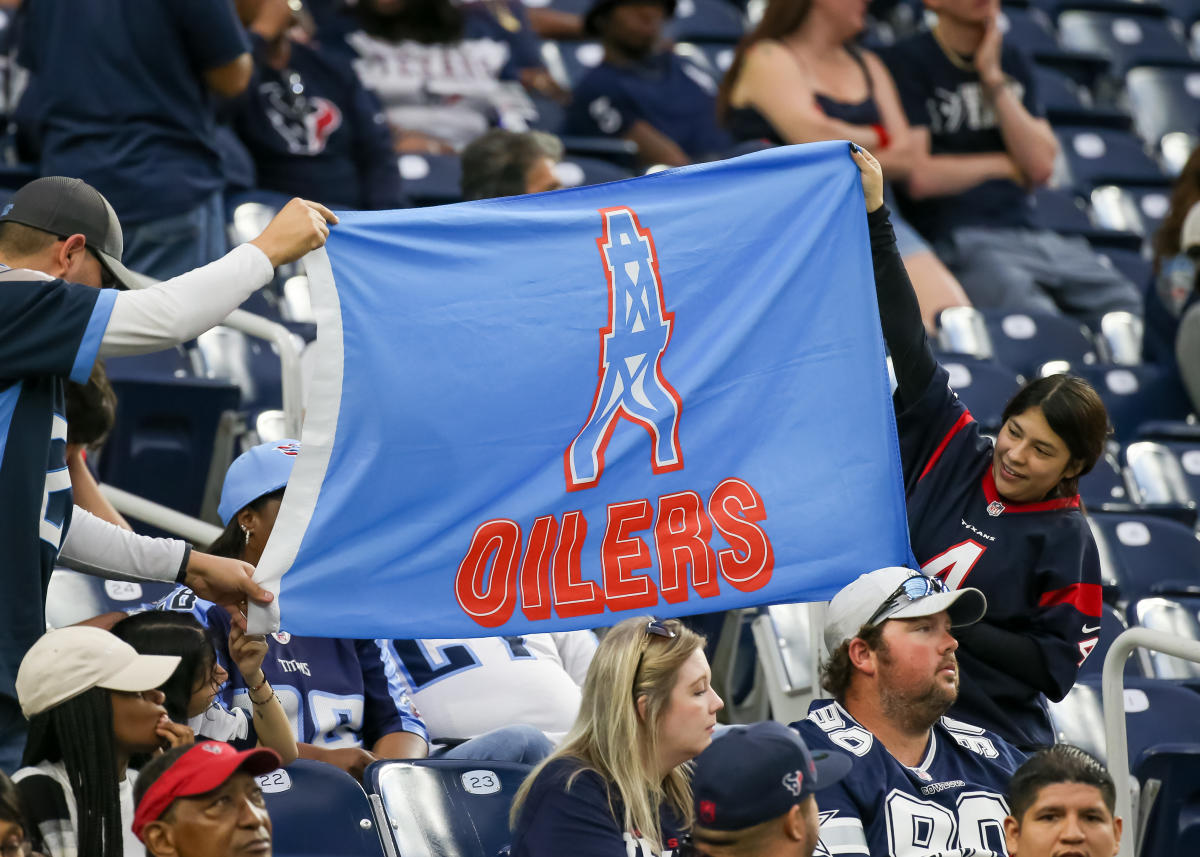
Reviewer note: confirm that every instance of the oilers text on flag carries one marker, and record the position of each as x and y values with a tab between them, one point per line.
660	395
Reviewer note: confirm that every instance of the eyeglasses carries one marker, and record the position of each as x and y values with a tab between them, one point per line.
912	589
654	628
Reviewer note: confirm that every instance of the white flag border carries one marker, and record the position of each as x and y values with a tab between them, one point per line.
322	407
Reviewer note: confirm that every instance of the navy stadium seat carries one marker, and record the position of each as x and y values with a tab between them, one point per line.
1177	615
1024	341
1156	478
1131	208
164	442
706	21
1188	454
713	57
1104	485
1129	38
1170	779
1136	268
1186	11
1152	555
431	179
985	386
1031	28
1096	155
318	810
1061	210
578	58
1068	102
1136	394
1156	711
448	808
619	151
575	171
1164	100
177	362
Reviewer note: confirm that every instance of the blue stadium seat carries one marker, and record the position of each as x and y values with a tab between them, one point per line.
1024	341
1136	394
1137	269
177	362
1187	452
1105	485
576	171
1061	210
985	386
1156	478
1131	208
165	438
1164	100
578	58
713	57
1185	11
1175	615
1151	554
250	363
1170	778
706	21
318	810
448	808
1031	28
1068	102
431	179
1096	156
1128	37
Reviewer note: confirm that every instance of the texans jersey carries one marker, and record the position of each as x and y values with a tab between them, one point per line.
50	331
950	805
337	693
1036	562
533	680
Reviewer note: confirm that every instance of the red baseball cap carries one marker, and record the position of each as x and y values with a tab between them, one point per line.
198	771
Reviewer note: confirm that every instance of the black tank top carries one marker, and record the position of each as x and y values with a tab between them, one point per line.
746	123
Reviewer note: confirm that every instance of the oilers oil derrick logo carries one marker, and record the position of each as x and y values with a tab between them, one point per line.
631	383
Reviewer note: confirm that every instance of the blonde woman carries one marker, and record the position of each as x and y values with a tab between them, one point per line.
619	784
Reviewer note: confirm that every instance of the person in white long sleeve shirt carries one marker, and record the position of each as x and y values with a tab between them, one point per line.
60	246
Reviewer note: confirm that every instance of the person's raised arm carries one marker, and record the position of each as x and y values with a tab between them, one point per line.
182	308
899	312
270	720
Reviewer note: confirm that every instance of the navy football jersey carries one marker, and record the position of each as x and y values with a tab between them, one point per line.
581	820
336	692
952	803
1036	562
50	331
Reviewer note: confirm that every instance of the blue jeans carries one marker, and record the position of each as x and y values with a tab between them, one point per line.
171	246
523	744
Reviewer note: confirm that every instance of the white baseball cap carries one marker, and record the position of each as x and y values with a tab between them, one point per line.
884	594
69	661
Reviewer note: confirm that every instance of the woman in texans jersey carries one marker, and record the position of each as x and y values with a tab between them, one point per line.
1002	516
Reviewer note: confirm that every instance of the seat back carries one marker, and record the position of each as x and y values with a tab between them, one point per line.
706	21
783	640
447	807
1096	156
1178	615
1024	341
1170	780
985	386
1136	394
318	810
1104	485
1157	476
1163	100
1128	38
1150	554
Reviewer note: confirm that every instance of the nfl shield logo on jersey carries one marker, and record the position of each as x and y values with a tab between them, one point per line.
995	508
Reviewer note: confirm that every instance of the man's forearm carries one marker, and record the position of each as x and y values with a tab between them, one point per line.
946	175
1029	141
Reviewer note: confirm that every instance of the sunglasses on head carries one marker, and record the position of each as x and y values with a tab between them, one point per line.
912	589
654	628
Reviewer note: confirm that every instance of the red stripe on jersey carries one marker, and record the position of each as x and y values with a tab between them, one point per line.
1084	597
992	495
941	447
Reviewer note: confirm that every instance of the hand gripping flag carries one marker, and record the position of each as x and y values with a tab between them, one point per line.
666	395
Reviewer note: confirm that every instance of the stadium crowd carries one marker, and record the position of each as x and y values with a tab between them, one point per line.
155	728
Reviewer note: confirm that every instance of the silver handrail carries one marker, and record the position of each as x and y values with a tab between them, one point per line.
193	529
289	358
1113	698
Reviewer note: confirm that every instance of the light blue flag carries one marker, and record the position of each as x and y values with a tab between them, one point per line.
666	395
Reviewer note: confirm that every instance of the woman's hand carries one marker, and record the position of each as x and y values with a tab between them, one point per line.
872	176
174	734
248	652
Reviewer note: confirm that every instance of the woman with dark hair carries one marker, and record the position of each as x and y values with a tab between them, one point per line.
798	77
14	841
191	691
1003	514
1176	285
92	705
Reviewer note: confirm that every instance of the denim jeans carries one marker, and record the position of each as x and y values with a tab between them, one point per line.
171	246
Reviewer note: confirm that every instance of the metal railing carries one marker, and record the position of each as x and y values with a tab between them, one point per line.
1113	698
165	518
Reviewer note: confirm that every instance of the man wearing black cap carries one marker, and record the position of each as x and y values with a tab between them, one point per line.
754	792
203	801
923	784
656	99
60	244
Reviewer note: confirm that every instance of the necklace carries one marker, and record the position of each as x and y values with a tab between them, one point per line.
956	59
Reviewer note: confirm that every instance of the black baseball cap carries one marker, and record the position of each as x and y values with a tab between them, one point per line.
63	206
602	7
751	774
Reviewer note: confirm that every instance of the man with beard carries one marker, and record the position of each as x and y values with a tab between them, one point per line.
922	783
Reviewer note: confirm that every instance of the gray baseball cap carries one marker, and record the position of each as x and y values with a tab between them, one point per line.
885	594
64	206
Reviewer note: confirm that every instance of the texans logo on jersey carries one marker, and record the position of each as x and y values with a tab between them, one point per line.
306	124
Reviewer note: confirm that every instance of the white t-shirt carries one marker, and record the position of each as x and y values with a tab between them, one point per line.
58	833
463	688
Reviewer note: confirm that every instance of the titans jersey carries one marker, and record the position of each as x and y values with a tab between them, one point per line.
1036	562
534	680
337	693
950	805
50	330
